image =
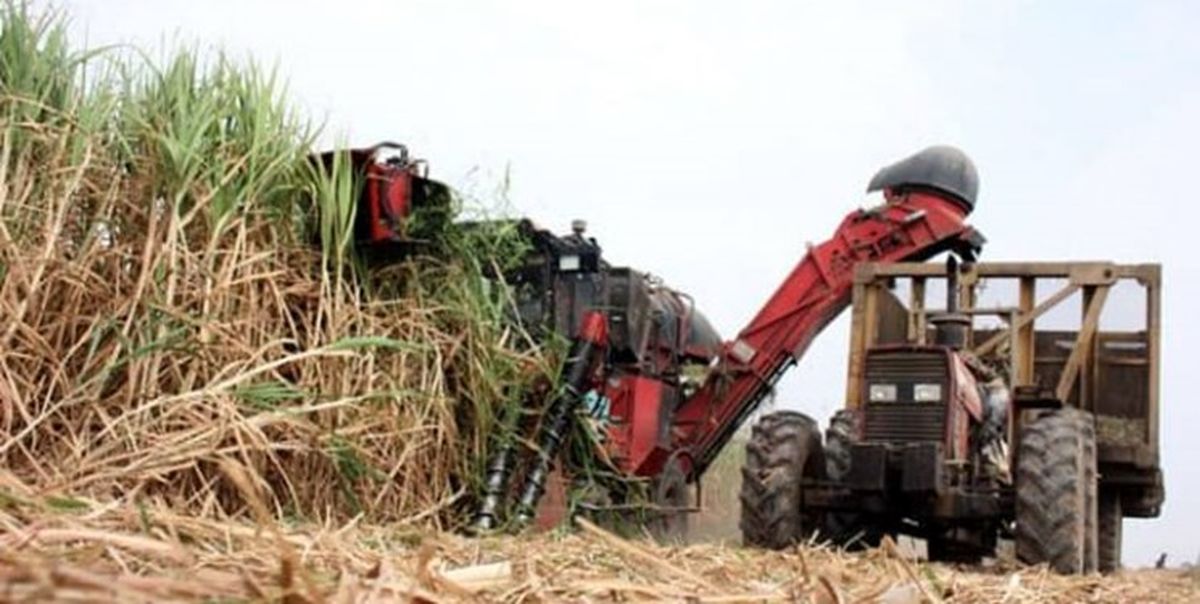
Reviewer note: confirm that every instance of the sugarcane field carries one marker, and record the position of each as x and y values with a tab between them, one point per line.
597	302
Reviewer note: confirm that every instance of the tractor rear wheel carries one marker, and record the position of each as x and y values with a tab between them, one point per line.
1109	525
784	450
1056	461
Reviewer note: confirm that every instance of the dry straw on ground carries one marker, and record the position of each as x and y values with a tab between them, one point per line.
101	552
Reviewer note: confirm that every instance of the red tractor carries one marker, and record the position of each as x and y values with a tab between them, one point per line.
967	424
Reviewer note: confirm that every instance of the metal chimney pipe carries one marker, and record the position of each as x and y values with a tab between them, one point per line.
952	327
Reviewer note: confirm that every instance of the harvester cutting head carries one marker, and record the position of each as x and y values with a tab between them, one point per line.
941	167
399	206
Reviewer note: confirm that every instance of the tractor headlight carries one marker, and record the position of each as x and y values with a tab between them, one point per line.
882	393
927	393
569	263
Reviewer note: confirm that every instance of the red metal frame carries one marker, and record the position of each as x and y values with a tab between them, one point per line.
389	197
914	225
637	415
965	407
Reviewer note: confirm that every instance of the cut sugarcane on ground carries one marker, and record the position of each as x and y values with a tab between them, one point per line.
78	550
196	402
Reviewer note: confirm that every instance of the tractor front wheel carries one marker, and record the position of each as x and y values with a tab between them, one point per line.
849	530
784	450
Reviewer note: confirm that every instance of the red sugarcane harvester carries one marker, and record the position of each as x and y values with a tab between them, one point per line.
921	449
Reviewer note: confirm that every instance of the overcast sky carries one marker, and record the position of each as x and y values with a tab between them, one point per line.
708	141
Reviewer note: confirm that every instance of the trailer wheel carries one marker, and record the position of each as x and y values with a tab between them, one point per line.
1109	528
670	490
1091	560
784	449
1055	462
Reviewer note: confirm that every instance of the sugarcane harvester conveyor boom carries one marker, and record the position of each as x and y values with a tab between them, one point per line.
634	338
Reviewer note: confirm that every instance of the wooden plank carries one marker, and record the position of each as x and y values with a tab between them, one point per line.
1087	373
891	318
1022	356
1102	271
916	306
1027	318
858	342
1080	353
871	325
982	270
966	305
989	311
1153	284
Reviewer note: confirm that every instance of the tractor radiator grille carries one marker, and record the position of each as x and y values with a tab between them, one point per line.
906	368
905	422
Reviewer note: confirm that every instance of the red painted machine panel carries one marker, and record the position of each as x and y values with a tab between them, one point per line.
637	408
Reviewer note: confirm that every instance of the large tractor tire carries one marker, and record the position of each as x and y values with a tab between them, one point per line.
840	436
670	491
784	449
1056	472
845	529
1091	560
1109	528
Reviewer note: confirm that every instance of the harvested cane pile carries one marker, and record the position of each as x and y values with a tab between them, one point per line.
198	402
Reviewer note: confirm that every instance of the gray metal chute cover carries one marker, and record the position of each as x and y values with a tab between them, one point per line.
939	167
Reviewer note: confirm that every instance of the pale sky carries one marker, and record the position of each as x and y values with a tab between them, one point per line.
706	142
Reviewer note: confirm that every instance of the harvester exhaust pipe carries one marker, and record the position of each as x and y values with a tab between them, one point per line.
952	285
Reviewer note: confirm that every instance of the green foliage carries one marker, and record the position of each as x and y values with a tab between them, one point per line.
333	190
216	135
38	70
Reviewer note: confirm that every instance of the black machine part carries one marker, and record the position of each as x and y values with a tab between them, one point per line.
561	278
939	167
952	327
651	329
